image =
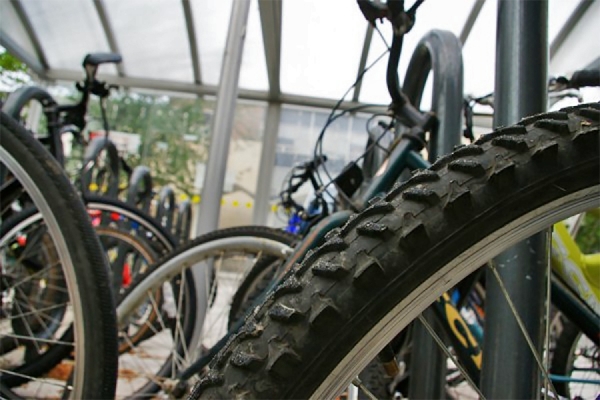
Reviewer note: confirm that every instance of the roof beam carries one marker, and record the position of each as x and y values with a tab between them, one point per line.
363	61
16	50
568	26
35	41
191	32
211	90
109	32
270	19
470	22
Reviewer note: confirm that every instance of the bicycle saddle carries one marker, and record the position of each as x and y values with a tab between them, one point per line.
101	58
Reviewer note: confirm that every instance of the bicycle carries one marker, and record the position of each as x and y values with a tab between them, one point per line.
101	166
173	265
75	250
415	215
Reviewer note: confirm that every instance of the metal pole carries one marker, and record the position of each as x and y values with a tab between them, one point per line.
428	362
509	369
222	122
267	163
219	148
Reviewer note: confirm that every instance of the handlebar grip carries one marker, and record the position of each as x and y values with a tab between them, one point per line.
586	77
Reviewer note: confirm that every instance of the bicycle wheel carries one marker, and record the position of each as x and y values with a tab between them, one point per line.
129	257
575	363
70	240
113	212
153	365
385	266
24	105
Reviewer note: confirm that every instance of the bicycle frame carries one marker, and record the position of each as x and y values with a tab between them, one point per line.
404	155
578	270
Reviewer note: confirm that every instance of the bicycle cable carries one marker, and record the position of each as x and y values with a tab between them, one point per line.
318	149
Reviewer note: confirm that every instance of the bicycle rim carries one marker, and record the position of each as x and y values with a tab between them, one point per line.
447	277
159	358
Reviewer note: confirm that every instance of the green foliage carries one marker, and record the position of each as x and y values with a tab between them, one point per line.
588	236
13	72
173	135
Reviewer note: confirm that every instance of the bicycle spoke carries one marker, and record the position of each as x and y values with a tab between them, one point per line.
521	325
451	356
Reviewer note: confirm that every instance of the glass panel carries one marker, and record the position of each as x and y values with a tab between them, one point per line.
211	20
581	48
67	32
153	38
243	163
253	74
299	128
321	46
12	27
558	13
433	14
479	53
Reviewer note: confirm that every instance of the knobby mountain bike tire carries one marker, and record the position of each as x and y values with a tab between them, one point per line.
259	277
230	262
356	292
83	266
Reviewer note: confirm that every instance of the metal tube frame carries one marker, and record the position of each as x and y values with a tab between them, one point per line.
508	368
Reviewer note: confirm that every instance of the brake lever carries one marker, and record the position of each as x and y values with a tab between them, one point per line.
373	11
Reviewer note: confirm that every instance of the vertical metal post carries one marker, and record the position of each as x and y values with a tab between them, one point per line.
221	127
509	369
267	163
427	363
222	122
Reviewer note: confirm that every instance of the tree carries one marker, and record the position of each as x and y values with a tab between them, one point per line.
172	130
13	73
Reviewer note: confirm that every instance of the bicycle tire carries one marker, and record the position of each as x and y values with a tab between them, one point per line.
118	245
105	178
18	100
256	240
258	278
134	220
130	226
50	292
353	294
95	363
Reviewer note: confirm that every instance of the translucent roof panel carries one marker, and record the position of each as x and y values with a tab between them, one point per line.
11	26
321	43
67	31
581	47
558	13
253	74
479	53
321	47
152	38
211	20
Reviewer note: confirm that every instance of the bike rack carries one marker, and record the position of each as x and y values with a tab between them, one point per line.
440	52
165	210
139	192
509	369
92	151
183	223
